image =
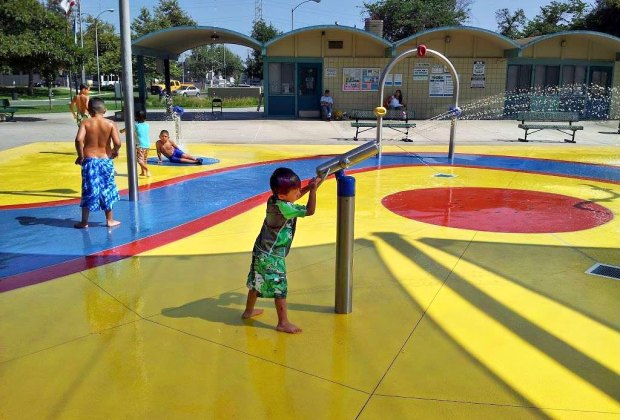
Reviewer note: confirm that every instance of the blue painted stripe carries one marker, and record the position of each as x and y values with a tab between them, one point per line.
40	237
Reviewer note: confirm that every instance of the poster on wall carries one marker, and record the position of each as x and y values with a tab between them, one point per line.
351	79
398	80
357	79
420	71
370	79
478	79
330	72
389	80
440	86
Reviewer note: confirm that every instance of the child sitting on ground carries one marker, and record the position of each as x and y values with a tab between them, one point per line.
267	277
168	148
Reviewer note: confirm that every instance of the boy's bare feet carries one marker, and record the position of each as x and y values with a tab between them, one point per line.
111	223
254	312
80	225
287	327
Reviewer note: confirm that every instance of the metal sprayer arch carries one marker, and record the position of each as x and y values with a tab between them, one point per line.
388	69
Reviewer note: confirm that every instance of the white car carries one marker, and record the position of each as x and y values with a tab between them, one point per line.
188	91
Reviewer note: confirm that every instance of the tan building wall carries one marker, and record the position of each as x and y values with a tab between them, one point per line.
462	46
317	44
573	47
486	102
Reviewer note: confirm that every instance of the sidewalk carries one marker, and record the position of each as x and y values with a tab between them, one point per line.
246	126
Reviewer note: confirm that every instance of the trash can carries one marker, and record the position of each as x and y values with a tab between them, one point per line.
14	96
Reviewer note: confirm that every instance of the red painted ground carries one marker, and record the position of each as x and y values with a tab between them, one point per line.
498	210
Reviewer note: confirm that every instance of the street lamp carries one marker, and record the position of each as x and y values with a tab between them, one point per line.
293	10
97	49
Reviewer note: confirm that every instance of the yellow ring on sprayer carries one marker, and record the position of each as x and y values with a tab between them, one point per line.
380	111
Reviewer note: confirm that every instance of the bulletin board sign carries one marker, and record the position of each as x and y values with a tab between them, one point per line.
360	79
440	86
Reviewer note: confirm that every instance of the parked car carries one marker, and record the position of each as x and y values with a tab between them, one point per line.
187	91
43	84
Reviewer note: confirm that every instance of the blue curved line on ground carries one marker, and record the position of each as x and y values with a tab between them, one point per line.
40	237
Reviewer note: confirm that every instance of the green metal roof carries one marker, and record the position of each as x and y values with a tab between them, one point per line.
171	42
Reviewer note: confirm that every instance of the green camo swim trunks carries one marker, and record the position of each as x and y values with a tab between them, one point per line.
268	276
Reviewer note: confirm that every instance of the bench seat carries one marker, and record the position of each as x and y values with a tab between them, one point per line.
395	119
9	110
552	126
549	121
6	108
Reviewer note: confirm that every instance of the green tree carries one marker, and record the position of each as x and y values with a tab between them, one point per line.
510	24
109	48
263	32
556	17
604	17
216	58
403	18
166	14
33	37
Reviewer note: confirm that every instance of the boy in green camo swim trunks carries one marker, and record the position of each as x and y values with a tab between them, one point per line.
267	277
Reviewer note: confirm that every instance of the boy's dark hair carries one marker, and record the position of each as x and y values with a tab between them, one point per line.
96	106
83	86
164	132
283	180
140	115
326	90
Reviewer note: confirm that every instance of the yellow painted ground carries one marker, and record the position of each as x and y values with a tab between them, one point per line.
446	323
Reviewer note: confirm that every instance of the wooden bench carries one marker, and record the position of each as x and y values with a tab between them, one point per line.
395	119
538	120
6	108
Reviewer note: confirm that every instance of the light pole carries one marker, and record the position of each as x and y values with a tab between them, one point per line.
293	10
97	49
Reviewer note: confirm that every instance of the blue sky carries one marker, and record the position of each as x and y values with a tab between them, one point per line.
238	15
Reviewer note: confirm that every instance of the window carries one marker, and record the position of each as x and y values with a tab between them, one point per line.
282	78
335	45
546	76
518	77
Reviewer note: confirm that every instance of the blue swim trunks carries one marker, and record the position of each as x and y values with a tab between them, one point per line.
99	190
176	156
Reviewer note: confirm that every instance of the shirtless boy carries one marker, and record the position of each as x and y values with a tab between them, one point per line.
168	148
97	143
81	102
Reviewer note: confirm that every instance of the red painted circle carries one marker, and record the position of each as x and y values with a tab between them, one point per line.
498	209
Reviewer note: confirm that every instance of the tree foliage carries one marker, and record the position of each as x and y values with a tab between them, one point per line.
166	14
557	16
33	37
263	32
109	46
560	16
216	58
403	18
510	24
604	17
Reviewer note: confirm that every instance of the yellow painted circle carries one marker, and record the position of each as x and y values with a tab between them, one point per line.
380	111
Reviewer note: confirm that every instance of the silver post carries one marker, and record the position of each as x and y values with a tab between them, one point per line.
344	244
128	98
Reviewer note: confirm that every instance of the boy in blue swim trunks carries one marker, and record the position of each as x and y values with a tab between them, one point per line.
267	277
168	148
97	143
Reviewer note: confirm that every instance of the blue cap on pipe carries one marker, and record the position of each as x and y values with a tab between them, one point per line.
346	186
